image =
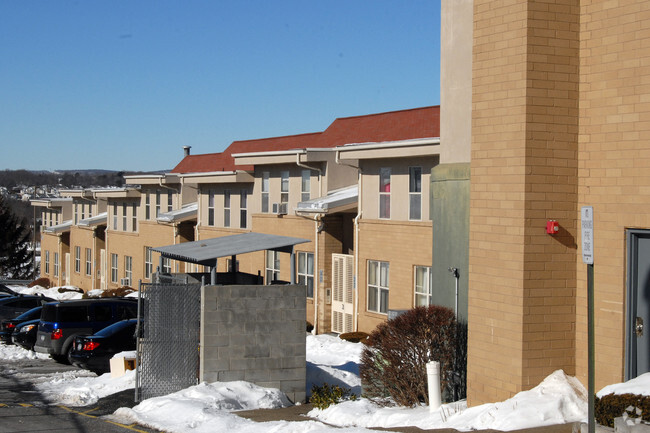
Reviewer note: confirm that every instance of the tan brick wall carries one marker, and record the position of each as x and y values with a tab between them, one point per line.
613	166
524	168
402	244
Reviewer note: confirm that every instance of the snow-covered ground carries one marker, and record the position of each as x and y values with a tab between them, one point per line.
209	407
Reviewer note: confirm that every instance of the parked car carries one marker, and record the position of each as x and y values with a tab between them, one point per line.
15	305
62	321
8	326
25	334
94	352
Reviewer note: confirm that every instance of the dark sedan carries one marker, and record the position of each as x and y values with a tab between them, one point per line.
8	326
94	352
25	334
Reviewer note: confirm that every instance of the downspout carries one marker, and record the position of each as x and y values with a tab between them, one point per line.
93	266
356	237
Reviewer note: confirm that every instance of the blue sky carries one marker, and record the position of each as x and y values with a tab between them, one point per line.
123	85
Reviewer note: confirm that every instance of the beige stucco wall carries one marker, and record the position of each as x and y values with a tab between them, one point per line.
404	245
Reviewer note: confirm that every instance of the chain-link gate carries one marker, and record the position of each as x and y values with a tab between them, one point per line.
168	350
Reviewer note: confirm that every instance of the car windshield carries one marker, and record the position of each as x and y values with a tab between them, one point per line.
116	327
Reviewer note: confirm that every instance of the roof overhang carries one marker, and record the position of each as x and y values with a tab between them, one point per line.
97	220
282	156
117	193
390	149
50	203
186	213
339	200
60	228
206	252
153	179
218	177
77	193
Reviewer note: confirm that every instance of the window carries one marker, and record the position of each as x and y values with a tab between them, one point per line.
226	208
265	191
167	265
229	265
378	286
134	217
124	217
170	200
157	203
56	264
243	204
114	216
77	259
210	208
284	187
76	213
272	266
384	192
47	262
114	268
415	193
147	206
305	186
128	268
148	262
423	285
83	211
89	261
306	271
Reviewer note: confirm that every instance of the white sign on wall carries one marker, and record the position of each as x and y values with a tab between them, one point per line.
587	218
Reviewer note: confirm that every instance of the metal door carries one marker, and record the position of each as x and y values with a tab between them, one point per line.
342	293
638	304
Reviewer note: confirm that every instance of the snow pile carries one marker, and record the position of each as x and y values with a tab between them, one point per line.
17	353
83	388
52	292
333	361
639	386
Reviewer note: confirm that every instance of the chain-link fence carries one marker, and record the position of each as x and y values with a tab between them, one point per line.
168	350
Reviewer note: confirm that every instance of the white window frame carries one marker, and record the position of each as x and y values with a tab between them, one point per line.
211	213
384	192
422	285
415	193
77	259
134	217
166	265
147	206
378	286
56	264
305	185
128	268
157	203
284	186
89	262
124	217
266	180
114	216
47	262
148	263
243	209
226	208
114	268
305	271
272	266
76	213
170	201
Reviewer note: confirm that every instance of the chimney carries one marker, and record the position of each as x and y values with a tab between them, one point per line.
186	150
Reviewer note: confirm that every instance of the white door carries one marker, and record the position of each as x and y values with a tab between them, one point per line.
102	269
342	293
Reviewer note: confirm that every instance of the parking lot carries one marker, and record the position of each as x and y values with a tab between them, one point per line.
24	409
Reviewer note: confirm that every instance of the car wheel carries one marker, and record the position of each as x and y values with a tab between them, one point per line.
61	359
68	355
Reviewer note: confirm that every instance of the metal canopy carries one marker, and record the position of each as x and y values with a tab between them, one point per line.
206	252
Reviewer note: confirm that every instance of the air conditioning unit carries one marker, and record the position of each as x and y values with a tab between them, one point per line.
125	282
279	208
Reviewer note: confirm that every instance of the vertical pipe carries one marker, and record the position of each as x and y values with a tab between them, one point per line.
433	376
591	343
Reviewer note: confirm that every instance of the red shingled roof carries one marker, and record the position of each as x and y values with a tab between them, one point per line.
392	126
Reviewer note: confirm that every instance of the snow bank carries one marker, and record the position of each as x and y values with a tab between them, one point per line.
639	386
52	292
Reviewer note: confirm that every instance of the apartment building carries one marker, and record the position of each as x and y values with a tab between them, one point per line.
56	217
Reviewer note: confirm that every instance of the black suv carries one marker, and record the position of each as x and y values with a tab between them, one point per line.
62	321
13	306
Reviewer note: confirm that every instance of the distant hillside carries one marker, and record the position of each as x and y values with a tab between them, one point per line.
84	178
